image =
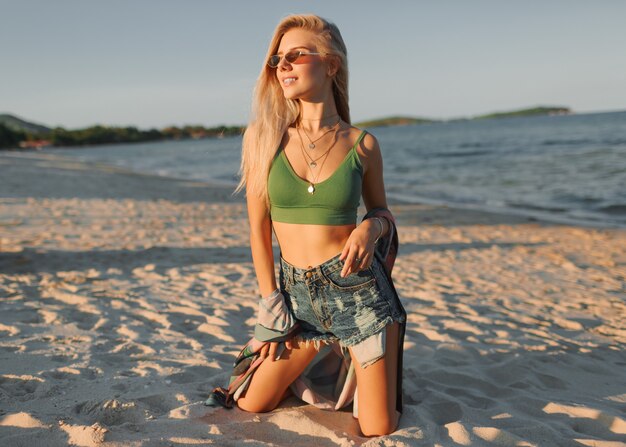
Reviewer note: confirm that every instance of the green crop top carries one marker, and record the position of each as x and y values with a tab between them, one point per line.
334	201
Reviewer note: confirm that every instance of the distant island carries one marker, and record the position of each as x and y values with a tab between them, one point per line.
407	120
528	112
16	132
394	121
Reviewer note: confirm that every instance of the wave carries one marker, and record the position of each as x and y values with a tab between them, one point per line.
530	206
613	209
581	141
474	144
461	154
566	142
526	211
614	141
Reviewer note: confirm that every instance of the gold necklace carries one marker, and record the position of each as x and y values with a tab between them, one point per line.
312	142
311	187
313	162
319	119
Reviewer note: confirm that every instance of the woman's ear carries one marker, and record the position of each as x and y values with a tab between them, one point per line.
333	66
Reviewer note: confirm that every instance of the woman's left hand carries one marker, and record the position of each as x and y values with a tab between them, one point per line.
358	252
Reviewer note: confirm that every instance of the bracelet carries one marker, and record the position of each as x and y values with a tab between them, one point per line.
380	222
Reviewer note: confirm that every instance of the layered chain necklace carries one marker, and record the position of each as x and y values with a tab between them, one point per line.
312	142
313	163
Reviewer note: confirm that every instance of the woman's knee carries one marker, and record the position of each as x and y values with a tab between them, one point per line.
380	426
254	406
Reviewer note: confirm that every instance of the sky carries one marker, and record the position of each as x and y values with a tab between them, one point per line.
156	63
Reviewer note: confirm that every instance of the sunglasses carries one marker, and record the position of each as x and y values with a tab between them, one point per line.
291	57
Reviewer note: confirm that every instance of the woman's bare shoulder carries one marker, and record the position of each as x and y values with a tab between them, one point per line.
368	145
368	148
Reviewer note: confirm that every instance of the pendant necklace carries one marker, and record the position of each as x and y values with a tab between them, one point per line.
312	142
311	188
313	163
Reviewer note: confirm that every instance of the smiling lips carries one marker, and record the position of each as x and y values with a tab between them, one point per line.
289	81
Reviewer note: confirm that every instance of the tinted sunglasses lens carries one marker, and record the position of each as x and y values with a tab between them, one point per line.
274	61
292	56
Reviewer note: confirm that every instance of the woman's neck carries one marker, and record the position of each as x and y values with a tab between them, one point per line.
316	125
317	115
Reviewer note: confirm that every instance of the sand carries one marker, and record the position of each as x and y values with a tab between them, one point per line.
124	299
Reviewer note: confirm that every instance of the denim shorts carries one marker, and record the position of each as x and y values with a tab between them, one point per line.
330	308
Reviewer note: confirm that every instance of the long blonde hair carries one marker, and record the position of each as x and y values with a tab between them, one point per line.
272	113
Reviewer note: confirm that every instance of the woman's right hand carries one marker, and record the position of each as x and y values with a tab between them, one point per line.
271	347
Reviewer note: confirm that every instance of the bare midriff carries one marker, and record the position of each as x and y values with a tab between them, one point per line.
308	245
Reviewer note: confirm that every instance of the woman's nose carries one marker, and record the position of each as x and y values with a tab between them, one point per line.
283	64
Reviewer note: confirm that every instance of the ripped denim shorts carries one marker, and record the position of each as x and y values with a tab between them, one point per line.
330	308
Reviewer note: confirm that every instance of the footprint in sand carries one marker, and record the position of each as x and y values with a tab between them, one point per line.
19	386
443	413
589	421
110	412
192	374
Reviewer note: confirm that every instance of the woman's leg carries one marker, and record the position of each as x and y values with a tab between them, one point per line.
270	381
376	386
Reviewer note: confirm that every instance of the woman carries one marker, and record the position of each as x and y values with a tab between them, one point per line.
305	168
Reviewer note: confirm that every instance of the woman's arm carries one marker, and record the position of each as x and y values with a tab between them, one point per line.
261	244
263	259
361	242
373	183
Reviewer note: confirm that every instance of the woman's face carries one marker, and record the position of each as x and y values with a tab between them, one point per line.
307	78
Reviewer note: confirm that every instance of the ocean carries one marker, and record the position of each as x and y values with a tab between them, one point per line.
564	168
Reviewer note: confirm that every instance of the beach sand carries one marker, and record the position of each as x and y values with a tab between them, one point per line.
124	299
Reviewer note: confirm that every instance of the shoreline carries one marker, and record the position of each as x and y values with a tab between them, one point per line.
126	297
393	199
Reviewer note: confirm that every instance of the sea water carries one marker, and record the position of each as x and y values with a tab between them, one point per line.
569	168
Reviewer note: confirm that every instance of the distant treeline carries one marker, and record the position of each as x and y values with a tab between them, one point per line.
394	121
408	120
16	132
58	136
528	112
9	137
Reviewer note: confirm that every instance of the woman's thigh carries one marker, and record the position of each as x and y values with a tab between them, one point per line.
377	387
270	381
